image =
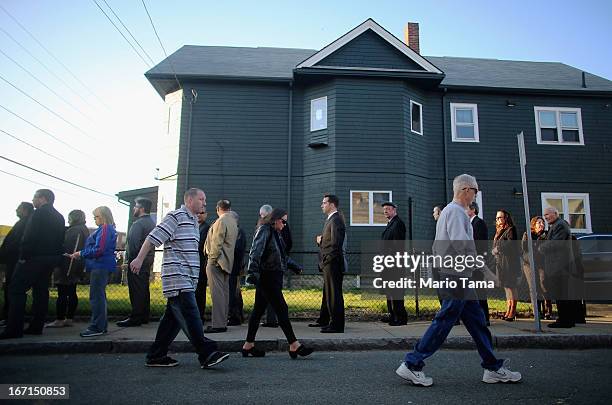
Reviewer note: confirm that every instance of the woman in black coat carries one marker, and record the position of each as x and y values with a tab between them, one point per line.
538	234
268	262
70	271
507	258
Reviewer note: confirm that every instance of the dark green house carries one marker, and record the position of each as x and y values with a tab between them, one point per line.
370	119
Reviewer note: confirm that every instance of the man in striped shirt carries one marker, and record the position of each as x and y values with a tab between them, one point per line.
178	232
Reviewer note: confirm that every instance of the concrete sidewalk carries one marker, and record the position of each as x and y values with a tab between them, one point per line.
597	333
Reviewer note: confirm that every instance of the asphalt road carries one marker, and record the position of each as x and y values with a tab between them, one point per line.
549	377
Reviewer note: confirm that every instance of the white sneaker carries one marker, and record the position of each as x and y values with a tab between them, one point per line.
415	377
503	375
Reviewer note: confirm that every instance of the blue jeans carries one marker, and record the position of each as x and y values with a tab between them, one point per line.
181	314
470	312
98	279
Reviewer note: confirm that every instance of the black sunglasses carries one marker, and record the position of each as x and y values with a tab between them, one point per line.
284	222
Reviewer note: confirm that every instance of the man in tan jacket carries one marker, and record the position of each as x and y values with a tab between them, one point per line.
219	247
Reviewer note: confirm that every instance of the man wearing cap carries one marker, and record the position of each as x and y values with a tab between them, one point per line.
395	230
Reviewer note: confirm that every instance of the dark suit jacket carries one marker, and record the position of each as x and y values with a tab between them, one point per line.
44	235
332	239
481	234
9	251
395	230
558	255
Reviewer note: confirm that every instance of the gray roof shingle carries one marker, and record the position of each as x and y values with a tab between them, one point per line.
278	64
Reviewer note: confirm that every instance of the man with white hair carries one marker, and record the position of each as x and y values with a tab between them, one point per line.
558	261
454	237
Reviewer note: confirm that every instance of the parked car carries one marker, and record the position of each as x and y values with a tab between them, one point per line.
597	260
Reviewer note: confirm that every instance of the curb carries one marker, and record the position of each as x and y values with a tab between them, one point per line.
551	341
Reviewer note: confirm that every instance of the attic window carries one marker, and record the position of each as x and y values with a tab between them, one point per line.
318	114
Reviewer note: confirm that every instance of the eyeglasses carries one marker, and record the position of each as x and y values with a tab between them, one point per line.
474	189
284	222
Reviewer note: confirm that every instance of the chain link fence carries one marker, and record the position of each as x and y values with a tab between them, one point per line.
302	292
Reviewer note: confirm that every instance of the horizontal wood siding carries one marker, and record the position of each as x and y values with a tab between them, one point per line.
370	50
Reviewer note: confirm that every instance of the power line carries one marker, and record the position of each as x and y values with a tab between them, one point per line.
46	68
55	58
56	178
43	84
38	149
126	28
47	108
124	37
162	45
37	183
44	131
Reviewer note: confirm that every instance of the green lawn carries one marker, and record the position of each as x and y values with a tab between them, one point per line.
303	303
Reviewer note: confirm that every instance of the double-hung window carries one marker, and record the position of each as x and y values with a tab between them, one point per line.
318	114
573	207
559	126
366	207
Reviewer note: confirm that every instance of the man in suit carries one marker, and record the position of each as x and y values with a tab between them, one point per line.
200	292
481	236
331	264
219	247
559	266
138	283
41	250
9	251
395	230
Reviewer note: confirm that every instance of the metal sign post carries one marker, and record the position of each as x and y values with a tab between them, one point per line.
533	292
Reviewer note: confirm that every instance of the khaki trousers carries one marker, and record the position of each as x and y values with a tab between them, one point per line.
218	280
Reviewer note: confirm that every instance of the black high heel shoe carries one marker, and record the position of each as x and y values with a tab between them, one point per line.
301	351
253	351
509	319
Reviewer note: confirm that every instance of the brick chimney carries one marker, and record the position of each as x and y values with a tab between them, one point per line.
411	36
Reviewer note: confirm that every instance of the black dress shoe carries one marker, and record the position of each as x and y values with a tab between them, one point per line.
316	325
398	323
557	325
210	329
5	335
32	331
269	324
126	323
233	322
301	351
253	351
332	330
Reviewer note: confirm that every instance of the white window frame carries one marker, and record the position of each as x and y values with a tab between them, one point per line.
564	197
474	108
370	206
312	114
558	111
420	115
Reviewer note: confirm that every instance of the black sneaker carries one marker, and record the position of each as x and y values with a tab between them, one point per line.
214	359
162	362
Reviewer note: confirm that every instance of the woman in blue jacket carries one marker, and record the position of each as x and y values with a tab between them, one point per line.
99	255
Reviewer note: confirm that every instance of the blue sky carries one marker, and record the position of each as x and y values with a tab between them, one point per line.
117	141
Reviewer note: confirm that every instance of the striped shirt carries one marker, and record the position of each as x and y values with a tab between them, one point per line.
178	232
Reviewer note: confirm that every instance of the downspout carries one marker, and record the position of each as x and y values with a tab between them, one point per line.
289	145
445	158
192	101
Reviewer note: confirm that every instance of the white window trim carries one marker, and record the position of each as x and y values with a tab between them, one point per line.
557	111
312	102
474	107
564	197
420	114
370	206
